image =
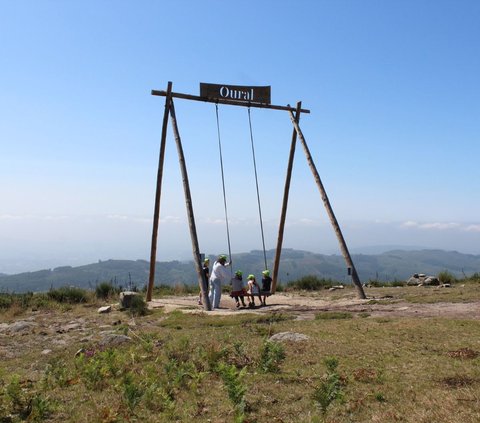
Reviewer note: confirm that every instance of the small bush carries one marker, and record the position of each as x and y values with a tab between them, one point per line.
138	306
446	277
236	388
132	392
311	283
178	289
105	290
271	356
330	387
6	300
475	277
68	294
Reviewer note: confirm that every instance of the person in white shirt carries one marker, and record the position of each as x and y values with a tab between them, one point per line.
218	276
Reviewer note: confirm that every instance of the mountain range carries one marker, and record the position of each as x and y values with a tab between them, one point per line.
388	266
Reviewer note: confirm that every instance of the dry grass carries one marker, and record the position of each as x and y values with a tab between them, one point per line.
390	370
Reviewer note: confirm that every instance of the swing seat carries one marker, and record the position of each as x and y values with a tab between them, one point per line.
246	294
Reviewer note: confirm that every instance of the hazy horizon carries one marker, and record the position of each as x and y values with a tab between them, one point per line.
116	237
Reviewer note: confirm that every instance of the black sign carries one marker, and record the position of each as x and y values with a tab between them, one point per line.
236	93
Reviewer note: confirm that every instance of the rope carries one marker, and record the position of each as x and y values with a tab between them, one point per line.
258	192
223	186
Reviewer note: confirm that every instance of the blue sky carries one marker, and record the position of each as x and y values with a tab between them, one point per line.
394	128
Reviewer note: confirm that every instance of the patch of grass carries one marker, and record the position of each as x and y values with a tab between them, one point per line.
464	353
375	283
331	315
475	277
381	301
271	318
19	303
69	295
310	283
177	289
457	381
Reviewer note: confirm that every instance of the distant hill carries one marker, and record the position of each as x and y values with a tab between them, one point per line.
388	266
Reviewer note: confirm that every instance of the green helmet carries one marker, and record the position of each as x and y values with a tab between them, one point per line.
222	257
250	277
206	261
238	273
266	272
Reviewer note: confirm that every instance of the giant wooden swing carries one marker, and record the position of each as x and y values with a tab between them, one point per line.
258	97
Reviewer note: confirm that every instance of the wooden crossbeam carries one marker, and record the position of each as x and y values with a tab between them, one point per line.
226	101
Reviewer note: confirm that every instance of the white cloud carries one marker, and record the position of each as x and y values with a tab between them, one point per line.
170	219
135	219
10	217
472	228
29	217
441	226
305	221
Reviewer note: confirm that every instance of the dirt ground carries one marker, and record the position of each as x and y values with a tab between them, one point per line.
306	306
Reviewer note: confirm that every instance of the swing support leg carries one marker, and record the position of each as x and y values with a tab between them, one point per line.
331	215
156	213
286	191
202	282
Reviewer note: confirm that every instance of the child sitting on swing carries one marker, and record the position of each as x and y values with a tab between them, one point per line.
238	290
253	289
266	285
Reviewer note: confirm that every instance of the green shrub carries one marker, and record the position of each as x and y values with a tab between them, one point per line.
132	392
446	277
178	289
6	300
311	283
271	356
23	301
330	387
236	388
138	306
375	283
68	294
42	408
105	290
475	277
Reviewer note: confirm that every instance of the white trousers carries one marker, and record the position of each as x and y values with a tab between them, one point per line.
215	293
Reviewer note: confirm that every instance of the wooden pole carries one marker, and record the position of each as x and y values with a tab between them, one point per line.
326	202
158	192
202	282
286	191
